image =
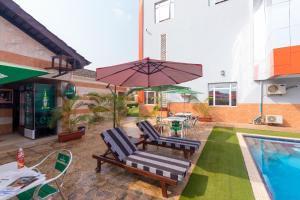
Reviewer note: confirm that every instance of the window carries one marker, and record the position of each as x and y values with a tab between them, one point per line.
150	97
222	94
164	10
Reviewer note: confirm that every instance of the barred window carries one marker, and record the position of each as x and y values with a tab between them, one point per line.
163	47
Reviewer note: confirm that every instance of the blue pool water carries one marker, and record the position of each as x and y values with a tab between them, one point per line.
279	164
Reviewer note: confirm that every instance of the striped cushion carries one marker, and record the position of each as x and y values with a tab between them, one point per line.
175	169
154	136
148	130
179	143
119	143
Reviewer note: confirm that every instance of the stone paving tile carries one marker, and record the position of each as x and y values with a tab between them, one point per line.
81	181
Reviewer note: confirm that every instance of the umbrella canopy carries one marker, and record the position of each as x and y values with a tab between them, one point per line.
149	72
12	73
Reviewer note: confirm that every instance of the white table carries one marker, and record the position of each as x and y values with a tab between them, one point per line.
9	173
172	119
178	119
184	114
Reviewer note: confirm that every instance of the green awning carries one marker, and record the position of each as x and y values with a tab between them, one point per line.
13	73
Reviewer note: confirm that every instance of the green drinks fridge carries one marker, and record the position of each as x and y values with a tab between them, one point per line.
37	102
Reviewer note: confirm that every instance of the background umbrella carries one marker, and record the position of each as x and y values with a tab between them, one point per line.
157	88
160	89
147	73
184	92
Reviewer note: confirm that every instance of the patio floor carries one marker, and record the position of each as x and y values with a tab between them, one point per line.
82	182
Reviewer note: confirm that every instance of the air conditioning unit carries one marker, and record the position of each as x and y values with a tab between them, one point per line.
274	119
276	89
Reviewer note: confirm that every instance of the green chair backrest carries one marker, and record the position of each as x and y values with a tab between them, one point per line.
62	162
175	124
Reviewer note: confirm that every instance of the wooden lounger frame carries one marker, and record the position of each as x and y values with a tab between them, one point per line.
187	152
164	181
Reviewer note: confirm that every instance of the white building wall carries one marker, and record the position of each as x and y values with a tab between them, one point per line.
220	37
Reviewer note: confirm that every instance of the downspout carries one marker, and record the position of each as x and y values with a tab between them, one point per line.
141	29
141	42
261	99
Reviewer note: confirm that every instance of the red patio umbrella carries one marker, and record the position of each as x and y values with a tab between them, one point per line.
148	73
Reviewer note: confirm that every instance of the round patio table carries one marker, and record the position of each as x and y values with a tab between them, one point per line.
184	114
9	173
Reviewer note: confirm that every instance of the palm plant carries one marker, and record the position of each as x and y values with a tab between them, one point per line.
98	105
121	108
67	115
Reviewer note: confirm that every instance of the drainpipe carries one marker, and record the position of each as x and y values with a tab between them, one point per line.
141	29
261	99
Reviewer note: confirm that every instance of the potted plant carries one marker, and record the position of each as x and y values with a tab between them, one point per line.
203	110
66	114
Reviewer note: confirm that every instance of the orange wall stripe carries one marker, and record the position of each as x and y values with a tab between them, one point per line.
23	60
96	86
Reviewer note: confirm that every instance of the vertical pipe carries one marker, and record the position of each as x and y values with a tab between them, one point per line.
141	29
261	99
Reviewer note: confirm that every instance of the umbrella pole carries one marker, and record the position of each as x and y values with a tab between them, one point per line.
184	102
160	104
115	96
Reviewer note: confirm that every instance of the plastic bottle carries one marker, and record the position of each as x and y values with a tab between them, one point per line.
20	158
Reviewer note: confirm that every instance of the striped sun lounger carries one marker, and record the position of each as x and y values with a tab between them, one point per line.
169	171
154	138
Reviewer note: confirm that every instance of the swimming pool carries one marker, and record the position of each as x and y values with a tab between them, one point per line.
278	161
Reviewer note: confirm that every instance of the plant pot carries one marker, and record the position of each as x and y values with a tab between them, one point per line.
65	137
205	119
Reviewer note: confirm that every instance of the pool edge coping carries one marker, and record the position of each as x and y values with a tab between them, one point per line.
259	189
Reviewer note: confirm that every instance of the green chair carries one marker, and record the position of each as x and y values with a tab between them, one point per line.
53	185
176	126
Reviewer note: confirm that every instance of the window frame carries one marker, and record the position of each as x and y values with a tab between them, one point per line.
170	11
223	88
146	98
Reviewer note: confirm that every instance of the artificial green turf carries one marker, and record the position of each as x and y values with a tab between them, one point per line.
220	172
